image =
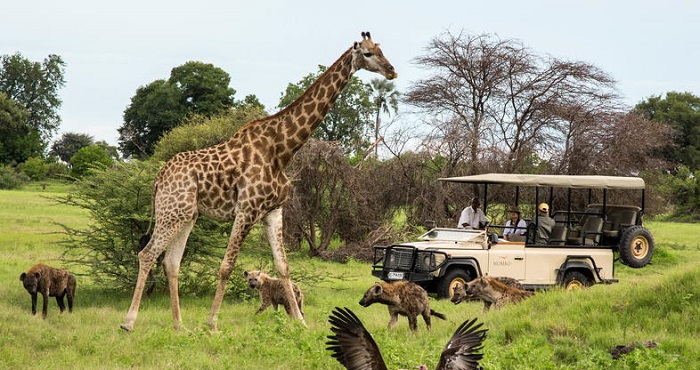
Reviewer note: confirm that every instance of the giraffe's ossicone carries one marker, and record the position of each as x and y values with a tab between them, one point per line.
244	180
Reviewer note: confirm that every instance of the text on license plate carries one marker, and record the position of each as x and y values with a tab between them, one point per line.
395	275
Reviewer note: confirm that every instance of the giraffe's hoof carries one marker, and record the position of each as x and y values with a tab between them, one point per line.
125	327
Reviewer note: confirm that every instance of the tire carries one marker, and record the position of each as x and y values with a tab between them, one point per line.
636	247
445	288
576	280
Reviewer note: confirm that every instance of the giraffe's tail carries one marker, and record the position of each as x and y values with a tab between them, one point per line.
145	238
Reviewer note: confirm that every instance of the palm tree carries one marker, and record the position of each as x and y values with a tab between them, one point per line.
384	96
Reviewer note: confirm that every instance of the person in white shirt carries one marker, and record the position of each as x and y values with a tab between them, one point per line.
516	225
473	217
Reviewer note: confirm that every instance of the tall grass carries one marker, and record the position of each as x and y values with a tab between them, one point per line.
553	330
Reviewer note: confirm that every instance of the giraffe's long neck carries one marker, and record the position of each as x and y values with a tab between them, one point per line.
298	120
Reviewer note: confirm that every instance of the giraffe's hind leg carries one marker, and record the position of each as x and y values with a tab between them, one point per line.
273	227
161	238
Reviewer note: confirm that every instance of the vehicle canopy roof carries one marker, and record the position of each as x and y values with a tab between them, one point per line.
562	181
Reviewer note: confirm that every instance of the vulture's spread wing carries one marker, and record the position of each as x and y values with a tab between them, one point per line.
352	345
460	351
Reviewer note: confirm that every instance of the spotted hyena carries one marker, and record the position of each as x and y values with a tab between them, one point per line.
402	298
49	282
272	291
490	290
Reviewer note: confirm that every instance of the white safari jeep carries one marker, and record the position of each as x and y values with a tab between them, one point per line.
580	251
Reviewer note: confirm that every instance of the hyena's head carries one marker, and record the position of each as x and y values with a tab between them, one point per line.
459	294
372	295
30	281
255	278
476	286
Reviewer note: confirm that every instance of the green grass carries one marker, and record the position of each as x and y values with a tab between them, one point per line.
553	330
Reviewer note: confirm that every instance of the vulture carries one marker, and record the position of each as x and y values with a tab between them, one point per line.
353	346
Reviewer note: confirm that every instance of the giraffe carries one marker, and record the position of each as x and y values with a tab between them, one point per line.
243	180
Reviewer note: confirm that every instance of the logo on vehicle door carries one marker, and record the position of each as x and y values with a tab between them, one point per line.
503	261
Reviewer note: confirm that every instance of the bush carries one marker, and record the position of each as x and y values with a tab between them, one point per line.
118	201
90	157
683	191
10	178
35	168
202	132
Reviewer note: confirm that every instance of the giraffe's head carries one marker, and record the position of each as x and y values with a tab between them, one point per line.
367	55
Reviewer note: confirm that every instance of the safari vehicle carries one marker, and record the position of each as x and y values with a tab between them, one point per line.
581	250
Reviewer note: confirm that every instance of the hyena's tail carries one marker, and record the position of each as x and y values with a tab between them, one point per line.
437	314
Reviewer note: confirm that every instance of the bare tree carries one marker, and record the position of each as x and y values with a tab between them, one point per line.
497	105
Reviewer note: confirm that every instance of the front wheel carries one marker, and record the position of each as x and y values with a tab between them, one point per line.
636	246
574	280
446	286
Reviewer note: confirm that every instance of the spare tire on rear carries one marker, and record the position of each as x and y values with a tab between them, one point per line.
636	246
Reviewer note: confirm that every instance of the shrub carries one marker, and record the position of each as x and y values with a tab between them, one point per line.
10	178
118	201
90	157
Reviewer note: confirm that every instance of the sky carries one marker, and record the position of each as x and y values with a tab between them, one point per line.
111	48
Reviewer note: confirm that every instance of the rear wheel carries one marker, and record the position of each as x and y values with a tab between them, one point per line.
448	282
636	246
576	280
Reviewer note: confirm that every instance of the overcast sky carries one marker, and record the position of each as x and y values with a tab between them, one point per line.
113	47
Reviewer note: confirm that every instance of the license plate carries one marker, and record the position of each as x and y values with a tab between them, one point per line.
395	275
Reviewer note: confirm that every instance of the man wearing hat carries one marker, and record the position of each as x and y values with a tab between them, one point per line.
516	225
545	224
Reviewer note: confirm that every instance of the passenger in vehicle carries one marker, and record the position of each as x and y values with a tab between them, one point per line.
544	223
514	226
473	217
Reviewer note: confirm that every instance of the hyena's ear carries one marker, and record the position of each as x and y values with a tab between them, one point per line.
245	273
377	289
21	277
37	274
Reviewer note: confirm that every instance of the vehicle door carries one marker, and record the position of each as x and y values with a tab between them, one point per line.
507	259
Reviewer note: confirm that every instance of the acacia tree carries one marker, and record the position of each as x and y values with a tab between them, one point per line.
498	105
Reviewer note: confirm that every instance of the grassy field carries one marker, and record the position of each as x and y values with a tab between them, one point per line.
553	330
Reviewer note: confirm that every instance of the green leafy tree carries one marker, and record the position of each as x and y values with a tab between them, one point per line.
35	86
88	158
193	88
18	140
349	121
69	144
682	190
682	111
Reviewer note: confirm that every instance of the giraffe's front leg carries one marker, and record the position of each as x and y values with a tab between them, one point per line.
273	227
171	264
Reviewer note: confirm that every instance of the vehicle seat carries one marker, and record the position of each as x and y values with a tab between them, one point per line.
558	235
617	220
590	232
